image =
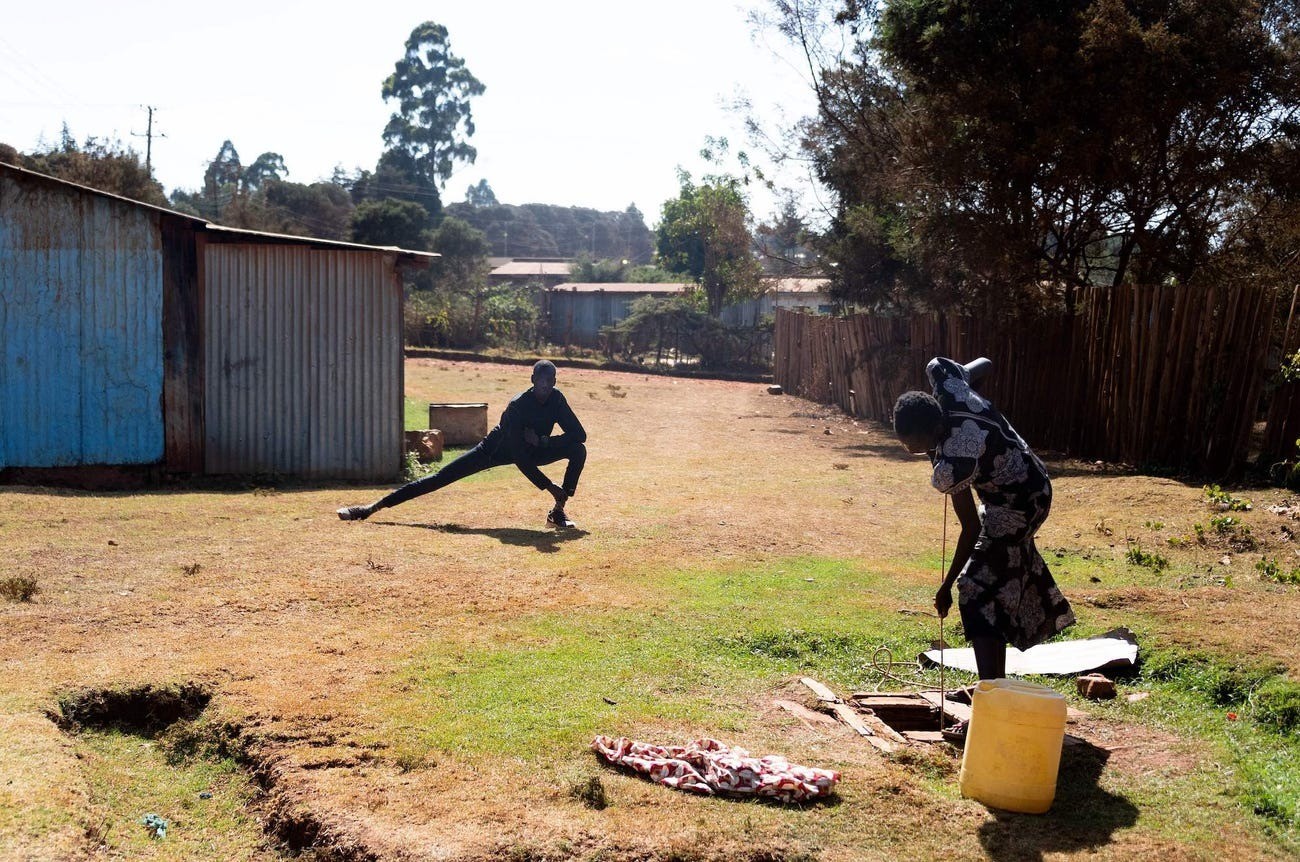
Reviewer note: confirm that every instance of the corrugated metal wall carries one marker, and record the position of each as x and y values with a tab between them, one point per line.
81	348
577	318
303	361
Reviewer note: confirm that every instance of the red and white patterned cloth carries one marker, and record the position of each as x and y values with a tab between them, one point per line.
707	766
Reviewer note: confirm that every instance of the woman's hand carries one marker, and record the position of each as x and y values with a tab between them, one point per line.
943	600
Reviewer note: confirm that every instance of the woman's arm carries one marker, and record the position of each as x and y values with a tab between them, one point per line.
963	503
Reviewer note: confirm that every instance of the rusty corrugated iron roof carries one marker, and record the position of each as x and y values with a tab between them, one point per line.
801	285
533	267
651	287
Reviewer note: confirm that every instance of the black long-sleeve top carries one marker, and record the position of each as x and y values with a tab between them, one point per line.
525	411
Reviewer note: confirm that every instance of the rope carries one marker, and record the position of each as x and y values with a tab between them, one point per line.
887	671
943	666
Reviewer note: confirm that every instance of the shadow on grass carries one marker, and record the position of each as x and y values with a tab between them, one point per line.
547	541
889	450
1084	816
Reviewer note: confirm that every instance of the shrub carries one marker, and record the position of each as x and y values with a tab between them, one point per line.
1237	534
590	793
1224	501
1269	570
19	588
1147	560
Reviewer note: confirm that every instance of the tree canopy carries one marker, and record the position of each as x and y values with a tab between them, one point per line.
704	234
257	197
480	195
1015	153
433	120
390	222
546	230
99	163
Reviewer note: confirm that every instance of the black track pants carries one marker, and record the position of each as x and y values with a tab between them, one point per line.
478	459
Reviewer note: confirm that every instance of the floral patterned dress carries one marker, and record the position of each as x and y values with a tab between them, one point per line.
1005	590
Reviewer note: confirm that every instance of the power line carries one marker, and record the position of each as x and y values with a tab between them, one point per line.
34	74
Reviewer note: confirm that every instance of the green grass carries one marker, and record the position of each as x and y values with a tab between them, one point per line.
130	777
713	640
1070	568
1248	715
717	638
415	414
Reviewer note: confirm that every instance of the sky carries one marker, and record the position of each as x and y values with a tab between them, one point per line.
590	104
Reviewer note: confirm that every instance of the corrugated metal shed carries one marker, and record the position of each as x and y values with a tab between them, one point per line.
81	346
303	361
134	335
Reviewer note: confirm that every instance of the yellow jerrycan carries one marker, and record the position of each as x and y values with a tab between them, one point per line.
1013	746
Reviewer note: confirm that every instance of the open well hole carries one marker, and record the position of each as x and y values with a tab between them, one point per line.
914	716
902	712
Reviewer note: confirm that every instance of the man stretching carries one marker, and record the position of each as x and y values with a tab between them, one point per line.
523	438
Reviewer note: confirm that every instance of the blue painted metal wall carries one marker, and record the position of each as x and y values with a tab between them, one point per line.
81	347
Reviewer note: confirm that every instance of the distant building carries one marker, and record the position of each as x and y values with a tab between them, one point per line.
575	311
144	340
808	294
546	271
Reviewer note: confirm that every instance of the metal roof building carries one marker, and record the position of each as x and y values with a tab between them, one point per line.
133	336
543	270
576	311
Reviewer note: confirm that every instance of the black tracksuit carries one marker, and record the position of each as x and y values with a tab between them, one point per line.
505	444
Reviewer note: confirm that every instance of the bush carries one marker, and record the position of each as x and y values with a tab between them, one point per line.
19	588
677	328
1269	570
511	317
504	316
1224	501
1147	560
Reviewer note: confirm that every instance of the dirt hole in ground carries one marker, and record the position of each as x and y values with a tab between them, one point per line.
146	710
173	715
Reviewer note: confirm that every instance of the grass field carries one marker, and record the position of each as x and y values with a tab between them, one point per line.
425	684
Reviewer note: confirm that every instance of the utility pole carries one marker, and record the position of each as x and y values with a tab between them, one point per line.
148	140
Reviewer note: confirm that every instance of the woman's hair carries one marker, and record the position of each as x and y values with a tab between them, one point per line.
916	413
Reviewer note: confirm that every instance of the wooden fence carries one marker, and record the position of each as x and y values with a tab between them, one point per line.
1153	376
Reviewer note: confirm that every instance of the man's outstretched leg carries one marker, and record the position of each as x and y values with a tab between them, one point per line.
473	461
